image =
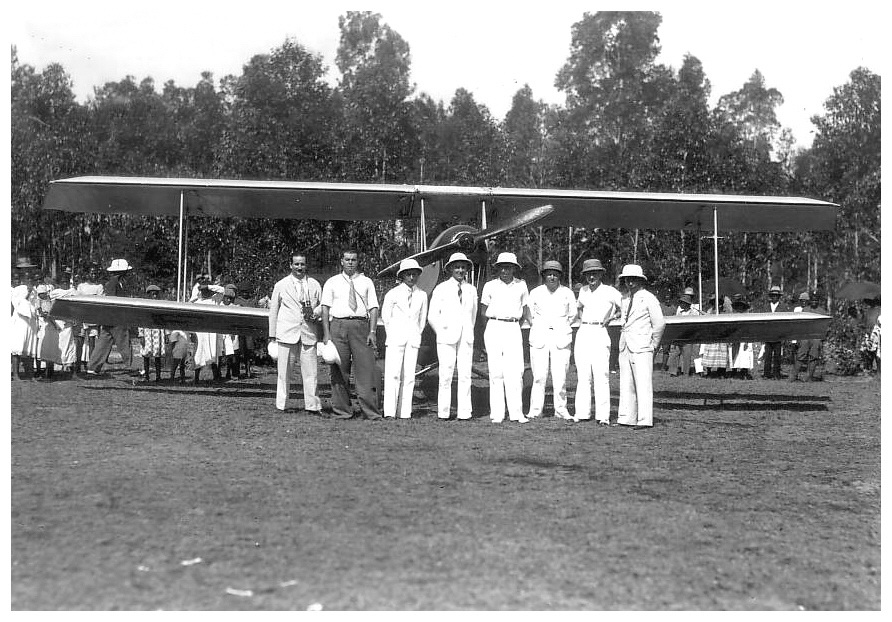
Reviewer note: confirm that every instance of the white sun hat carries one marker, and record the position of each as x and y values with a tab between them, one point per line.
507	258
119	265
272	348
631	269
457	257
406	265
329	353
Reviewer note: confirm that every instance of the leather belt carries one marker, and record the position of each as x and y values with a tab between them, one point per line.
594	323
352	317
505	319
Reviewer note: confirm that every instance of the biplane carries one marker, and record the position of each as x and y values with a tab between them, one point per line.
459	206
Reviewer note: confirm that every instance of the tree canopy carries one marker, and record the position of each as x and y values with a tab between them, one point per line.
629	123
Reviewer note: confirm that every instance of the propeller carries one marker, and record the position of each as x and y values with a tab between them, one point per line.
468	240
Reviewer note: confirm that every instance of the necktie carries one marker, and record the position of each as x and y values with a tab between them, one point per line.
459	292
351	299
629	310
303	292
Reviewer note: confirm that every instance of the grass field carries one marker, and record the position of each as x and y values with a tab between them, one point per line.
767	500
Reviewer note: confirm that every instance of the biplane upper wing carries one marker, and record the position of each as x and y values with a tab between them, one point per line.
155	196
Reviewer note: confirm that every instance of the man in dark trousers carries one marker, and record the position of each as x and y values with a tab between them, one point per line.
771	366
119	335
349	320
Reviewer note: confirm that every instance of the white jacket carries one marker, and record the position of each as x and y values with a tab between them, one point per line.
453	321
404	320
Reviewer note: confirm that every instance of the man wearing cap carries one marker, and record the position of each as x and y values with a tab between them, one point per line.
681	354
294	310
119	335
641	332
808	351
404	313
153	341
350	321
504	303
772	356
452	315
598	304
552	310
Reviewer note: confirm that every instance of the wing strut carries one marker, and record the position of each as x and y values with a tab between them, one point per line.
715	252
423	228
181	285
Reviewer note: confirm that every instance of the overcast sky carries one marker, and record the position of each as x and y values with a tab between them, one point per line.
802	49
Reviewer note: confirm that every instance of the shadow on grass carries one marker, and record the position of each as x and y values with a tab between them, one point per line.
739	401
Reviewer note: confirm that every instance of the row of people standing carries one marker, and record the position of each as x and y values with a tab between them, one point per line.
347	308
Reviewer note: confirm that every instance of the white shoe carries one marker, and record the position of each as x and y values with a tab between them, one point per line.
522	419
563	416
532	415
496	420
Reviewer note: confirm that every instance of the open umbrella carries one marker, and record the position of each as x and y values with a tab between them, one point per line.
859	290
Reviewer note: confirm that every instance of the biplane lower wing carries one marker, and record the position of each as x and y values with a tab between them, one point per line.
115	311
745	327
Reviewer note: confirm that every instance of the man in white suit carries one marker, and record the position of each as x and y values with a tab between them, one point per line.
642	330
404	314
552	310
294	309
453	313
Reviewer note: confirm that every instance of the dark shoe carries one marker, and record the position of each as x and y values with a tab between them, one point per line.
641	427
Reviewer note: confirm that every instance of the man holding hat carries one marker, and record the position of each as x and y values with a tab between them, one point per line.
294	308
404	314
119	335
552	310
504	303
642	330
771	365
350	320
598	304
453	314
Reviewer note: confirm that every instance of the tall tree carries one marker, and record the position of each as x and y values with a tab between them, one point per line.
613	89
281	119
753	110
525	139
48	140
375	64
844	166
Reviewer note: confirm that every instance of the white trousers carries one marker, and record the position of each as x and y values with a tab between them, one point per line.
450	356
558	360
504	355
399	379
592	354
636	395
308	370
